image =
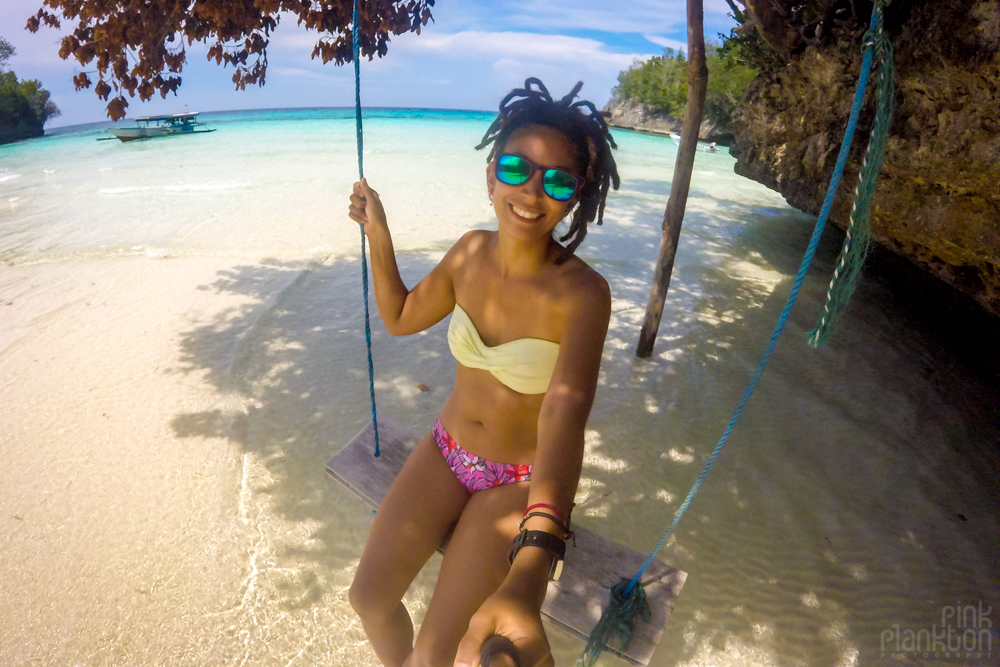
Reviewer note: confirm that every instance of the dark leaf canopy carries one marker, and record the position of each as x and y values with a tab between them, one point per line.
138	46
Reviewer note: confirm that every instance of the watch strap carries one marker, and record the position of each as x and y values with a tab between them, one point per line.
538	538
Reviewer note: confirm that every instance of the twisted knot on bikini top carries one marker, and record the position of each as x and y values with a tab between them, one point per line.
525	365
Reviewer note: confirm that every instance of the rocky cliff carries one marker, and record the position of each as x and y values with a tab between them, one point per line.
632	116
15	131
938	197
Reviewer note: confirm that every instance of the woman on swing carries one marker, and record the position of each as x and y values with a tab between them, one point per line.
503	461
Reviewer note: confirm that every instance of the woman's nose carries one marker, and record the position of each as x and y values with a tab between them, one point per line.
534	184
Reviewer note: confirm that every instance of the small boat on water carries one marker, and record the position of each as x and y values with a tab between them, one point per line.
161	126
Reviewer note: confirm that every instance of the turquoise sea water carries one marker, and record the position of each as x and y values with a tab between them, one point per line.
182	349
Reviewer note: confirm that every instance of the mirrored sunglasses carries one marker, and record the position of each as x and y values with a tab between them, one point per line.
559	184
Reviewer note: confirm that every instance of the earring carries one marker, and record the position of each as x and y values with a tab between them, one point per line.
491	195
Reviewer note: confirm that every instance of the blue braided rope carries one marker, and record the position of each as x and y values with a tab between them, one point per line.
355	32
838	171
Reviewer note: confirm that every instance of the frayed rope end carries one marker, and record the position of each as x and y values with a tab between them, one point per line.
618	620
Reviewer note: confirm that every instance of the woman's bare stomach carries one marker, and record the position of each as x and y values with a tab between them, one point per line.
491	420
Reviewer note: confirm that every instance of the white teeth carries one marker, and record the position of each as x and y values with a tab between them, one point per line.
525	214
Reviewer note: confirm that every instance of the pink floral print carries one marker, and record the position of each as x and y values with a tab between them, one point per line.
473	472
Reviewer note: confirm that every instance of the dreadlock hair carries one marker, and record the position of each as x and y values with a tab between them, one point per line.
587	132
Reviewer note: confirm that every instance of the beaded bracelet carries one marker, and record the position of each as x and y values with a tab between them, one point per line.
549	507
563	527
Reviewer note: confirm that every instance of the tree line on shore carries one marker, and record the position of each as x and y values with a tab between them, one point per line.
24	105
661	82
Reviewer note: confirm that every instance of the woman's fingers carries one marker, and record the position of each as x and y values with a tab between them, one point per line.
366	191
530	652
498	651
357	213
525	631
469	650
356	210
366	207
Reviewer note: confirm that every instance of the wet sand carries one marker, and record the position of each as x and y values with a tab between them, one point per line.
165	420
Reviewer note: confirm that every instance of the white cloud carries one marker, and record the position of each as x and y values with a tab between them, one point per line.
333	76
542	49
289	35
505	64
636	16
666	42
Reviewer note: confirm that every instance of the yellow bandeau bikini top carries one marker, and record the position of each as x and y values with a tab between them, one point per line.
525	365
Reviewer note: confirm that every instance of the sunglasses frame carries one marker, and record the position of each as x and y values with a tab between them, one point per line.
578	180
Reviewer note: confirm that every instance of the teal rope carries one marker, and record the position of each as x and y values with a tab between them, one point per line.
616	619
857	240
355	32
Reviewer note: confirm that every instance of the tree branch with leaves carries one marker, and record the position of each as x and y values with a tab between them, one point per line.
139	48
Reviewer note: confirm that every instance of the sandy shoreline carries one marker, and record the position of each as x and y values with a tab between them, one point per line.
146	518
171	507
169	396
105	507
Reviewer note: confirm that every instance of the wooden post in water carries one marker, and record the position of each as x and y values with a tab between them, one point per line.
674	215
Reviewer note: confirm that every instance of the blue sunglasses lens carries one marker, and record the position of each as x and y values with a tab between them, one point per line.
559	185
513	170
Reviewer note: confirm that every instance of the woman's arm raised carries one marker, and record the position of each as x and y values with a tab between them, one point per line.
403	311
569	398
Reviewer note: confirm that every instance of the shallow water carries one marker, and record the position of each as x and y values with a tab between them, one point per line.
184	348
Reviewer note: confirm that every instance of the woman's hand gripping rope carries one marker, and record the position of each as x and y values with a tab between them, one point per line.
366	208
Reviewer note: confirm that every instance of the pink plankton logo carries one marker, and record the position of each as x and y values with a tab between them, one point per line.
965	633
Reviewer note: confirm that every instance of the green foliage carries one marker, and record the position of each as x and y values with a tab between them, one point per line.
727	79
661	82
745	46
24	108
6	52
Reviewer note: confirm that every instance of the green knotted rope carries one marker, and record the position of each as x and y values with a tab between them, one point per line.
627	603
857	240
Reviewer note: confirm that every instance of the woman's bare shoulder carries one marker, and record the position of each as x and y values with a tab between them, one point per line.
470	246
475	239
467	250
581	286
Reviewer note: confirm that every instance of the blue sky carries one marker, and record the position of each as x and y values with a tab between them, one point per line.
468	58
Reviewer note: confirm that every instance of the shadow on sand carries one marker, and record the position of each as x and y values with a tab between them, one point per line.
297	374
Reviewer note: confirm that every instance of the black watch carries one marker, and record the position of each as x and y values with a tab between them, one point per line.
539	538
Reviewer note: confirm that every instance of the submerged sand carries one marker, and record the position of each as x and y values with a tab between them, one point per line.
165	420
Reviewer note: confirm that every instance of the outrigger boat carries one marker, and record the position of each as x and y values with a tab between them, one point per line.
161	126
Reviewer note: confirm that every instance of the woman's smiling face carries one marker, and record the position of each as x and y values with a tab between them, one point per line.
525	210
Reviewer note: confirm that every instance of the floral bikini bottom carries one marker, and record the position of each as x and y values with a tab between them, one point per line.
473	472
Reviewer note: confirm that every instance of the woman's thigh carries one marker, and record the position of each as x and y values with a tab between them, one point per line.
474	566
421	506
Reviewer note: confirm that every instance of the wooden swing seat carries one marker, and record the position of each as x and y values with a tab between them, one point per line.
593	564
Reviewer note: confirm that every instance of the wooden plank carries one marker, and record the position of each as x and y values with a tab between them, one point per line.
593	564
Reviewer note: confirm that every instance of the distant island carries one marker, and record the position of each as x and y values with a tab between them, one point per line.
650	95
24	105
